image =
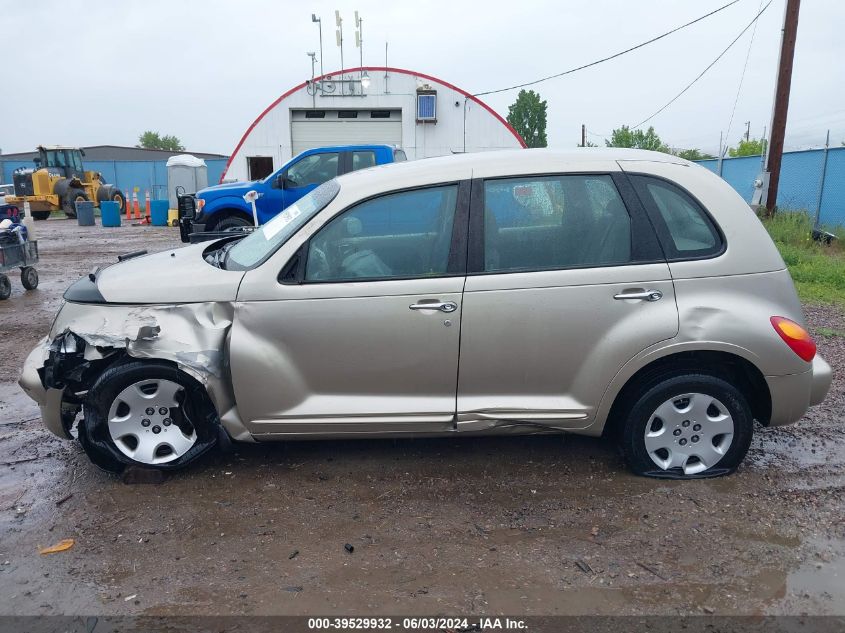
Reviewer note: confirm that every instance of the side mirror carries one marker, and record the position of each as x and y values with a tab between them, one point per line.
279	182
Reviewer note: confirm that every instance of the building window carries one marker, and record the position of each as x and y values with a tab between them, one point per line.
426	105
380	114
315	114
347	114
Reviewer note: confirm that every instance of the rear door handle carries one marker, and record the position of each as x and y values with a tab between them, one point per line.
648	295
446	306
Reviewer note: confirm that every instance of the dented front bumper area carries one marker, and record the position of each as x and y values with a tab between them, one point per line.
86	339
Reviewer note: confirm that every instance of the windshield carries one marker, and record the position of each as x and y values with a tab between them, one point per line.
253	250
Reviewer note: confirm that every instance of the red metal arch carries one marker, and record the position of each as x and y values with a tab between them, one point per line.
370	69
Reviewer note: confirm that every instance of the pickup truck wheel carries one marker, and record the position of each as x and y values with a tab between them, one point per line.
147	414
233	221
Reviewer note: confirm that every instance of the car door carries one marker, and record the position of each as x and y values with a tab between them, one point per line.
362	333
566	282
272	199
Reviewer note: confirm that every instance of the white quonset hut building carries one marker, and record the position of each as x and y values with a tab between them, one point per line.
423	115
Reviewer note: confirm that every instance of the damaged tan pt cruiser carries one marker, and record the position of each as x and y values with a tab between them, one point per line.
614	292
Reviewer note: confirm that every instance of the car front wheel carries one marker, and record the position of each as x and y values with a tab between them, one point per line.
687	426
149	414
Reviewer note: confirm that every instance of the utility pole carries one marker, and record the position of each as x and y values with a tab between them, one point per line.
781	106
319	22
339	37
583	135
359	40
747	131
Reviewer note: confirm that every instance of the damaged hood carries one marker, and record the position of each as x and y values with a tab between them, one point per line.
179	275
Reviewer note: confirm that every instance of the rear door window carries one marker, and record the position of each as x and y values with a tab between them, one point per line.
541	223
363	159
683	226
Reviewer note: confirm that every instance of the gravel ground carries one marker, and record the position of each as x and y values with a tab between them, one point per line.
531	525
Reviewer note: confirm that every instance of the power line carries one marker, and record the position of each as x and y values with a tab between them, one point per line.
742	76
701	74
614	56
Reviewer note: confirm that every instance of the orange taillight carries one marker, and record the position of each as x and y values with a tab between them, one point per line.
795	336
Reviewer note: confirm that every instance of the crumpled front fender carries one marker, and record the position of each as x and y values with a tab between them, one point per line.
49	401
194	336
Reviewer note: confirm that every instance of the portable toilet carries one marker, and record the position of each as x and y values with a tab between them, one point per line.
186	171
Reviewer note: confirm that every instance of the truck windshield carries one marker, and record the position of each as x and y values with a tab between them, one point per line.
259	245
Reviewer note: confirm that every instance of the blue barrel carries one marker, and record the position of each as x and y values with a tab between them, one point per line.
110	213
85	213
158	212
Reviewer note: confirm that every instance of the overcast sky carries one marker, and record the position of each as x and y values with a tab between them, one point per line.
102	72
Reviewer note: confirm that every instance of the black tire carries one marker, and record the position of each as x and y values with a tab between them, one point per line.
94	432
71	198
5	287
644	405
117	196
38	216
233	220
110	193
29	278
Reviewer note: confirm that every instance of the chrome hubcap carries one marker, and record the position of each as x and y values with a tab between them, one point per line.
692	431
146	422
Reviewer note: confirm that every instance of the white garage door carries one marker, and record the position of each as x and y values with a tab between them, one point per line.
321	128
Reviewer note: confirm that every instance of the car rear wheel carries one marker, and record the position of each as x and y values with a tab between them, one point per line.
687	426
149	414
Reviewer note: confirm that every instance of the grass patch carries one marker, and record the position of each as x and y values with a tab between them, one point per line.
817	269
829	332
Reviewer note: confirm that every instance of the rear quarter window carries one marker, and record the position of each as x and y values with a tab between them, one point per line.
685	229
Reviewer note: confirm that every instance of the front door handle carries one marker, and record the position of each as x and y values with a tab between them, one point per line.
446	306
648	295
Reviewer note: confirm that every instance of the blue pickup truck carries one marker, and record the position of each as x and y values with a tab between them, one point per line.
223	207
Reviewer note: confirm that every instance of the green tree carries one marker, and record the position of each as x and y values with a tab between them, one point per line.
693	154
753	147
626	137
527	115
152	140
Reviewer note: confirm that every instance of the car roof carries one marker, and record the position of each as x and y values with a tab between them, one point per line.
346	148
499	163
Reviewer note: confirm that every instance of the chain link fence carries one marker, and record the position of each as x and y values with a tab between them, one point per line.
812	181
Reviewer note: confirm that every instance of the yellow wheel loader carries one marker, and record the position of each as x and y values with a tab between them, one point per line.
59	181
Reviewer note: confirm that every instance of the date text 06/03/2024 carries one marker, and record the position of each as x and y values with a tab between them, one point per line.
417	624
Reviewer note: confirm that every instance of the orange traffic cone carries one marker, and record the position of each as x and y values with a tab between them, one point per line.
136	210
147	207
127	203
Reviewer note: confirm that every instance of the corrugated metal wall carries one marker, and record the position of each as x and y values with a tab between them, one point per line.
126	174
800	181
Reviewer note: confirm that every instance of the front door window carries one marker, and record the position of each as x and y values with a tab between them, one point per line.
401	235
312	170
